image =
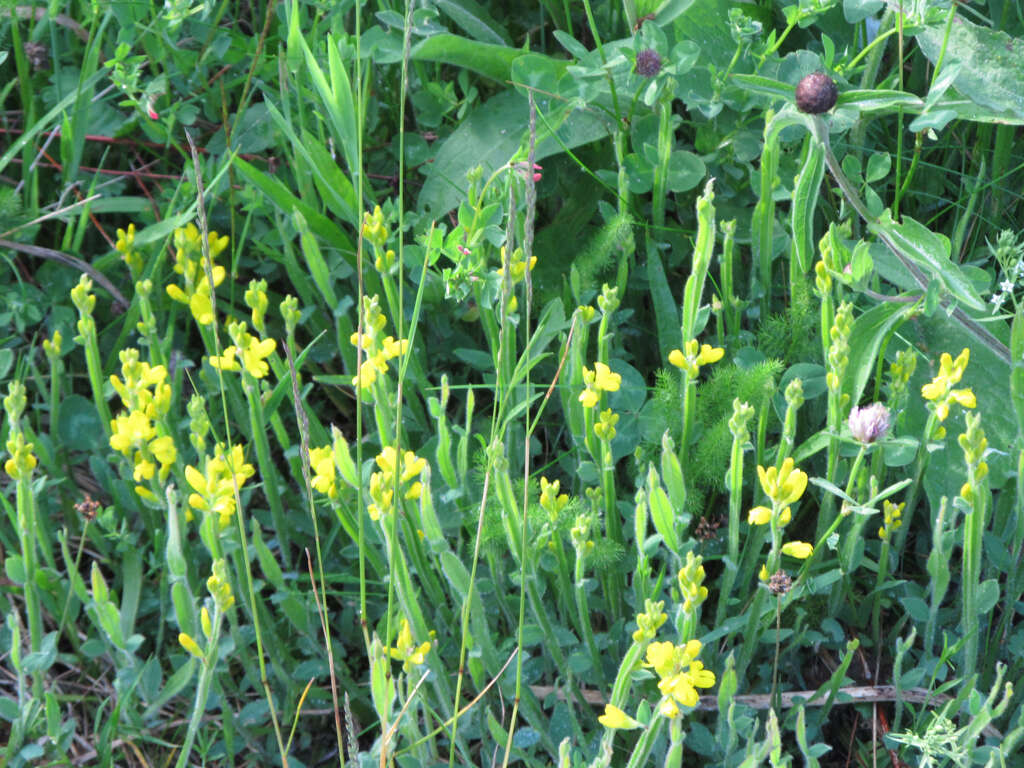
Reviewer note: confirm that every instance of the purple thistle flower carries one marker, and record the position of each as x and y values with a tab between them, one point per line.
648	62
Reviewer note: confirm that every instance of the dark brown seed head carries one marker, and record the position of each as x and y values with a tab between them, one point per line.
816	93
648	62
780	583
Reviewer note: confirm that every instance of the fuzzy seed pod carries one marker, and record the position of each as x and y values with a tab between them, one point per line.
816	93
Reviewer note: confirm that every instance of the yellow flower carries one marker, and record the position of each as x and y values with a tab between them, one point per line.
667	708
227	361
784	485
589	398
661	656
125	246
680	673
204	620
891	514
604	378
190	645
254	354
648	622
801	550
130	431
22	462
321	461
614	717
601	379
694	355
709	354
188	262
412	466
759	516
214	487
393	349
940	389
406	650
219	585
369	369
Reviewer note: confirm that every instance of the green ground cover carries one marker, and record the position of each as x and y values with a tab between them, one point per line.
460	384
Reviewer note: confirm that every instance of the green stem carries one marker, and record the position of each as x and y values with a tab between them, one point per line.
583	612
268	472
206	670
665	141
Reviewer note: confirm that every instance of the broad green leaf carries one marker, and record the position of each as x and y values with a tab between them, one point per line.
858	10
492	134
131	589
78	424
685	171
315	263
930	251
474	20
991	74
175	683
670	10
988	596
870	330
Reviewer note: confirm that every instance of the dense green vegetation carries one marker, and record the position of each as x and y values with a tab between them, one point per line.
462	384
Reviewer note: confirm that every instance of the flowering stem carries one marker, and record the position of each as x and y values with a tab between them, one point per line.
734	484
876	609
850	542
730	302
207	665
645	743
689	386
26	515
583	612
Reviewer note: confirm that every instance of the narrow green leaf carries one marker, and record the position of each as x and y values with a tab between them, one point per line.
487	59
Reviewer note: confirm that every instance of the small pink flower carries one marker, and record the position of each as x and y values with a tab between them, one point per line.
523	167
463	250
870	423
151	112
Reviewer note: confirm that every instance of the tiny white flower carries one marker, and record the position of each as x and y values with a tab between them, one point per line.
1006	285
998	299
